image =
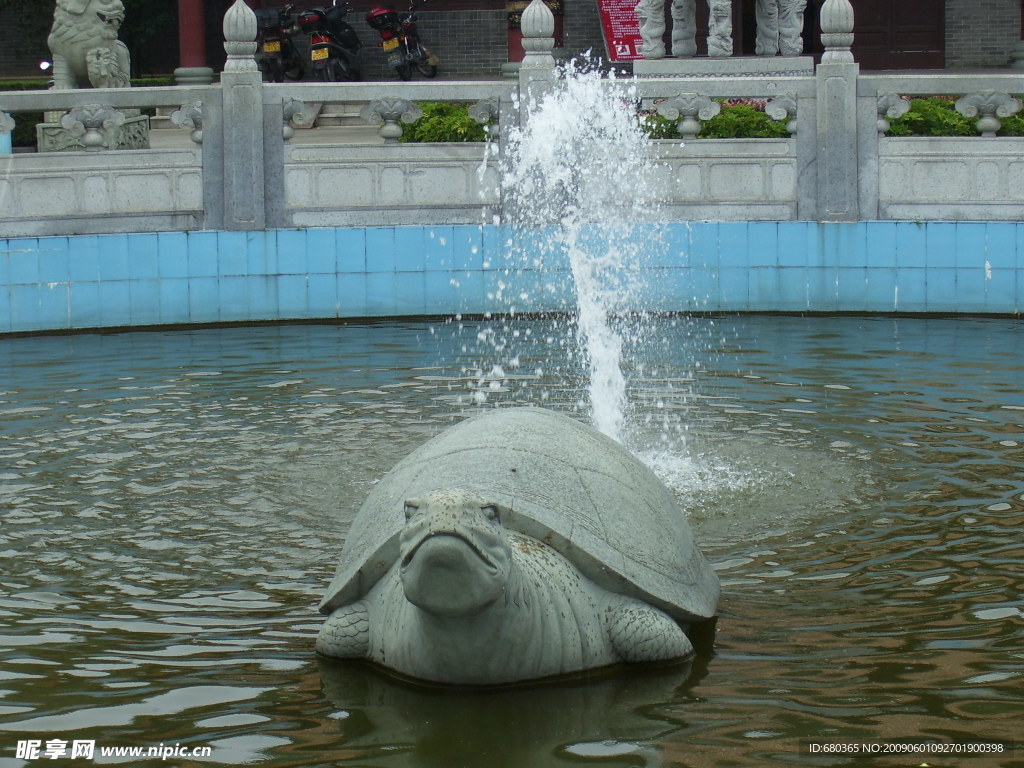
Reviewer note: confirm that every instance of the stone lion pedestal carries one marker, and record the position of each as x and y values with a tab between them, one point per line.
54	136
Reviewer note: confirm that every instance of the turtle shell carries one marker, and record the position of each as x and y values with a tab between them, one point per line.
567	485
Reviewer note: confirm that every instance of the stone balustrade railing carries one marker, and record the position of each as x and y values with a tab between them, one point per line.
241	172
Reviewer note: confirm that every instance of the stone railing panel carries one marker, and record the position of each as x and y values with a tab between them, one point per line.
85	192
336	185
951	178
729	179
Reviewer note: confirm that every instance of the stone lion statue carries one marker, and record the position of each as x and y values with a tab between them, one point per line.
84	44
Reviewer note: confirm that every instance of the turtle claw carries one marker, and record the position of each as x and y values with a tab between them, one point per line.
346	633
639	633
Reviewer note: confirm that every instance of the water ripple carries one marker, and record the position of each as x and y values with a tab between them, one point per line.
172	505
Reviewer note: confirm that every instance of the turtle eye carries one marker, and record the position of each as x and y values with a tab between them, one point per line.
411	507
490	511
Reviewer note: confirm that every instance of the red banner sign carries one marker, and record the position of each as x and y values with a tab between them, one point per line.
621	29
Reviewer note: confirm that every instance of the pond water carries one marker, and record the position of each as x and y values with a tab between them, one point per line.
173	503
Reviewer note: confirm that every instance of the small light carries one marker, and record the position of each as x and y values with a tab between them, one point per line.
45	65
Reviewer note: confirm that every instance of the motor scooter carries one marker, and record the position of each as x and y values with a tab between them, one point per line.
333	44
400	41
276	54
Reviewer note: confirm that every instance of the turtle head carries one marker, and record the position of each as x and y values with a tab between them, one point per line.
455	556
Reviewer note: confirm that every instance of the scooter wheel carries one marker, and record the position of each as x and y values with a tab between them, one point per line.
342	71
275	70
422	62
297	70
404	71
427	70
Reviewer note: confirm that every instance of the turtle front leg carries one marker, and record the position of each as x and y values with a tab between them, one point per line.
640	633
346	632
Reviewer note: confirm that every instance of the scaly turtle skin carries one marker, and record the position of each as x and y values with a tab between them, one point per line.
520	557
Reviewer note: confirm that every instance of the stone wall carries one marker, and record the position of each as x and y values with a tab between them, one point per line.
981	33
582	28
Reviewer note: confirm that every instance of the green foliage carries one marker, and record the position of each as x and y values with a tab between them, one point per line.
444	122
1012	126
739	121
28	84
658	127
934	116
742	122
937	116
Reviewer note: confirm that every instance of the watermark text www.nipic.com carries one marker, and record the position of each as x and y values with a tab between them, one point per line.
54	749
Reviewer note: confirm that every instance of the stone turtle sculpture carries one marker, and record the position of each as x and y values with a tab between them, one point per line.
517	545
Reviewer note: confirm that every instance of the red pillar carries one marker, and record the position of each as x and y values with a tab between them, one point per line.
192	69
191	33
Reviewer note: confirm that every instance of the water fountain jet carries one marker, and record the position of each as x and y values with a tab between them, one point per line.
577	192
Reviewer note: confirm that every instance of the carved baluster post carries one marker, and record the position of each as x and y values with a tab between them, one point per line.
242	124
991	105
295	113
890	106
387	113
95	125
837	145
783	107
487	112
538	69
689	109
190	116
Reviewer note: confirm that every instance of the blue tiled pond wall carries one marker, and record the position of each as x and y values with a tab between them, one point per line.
97	281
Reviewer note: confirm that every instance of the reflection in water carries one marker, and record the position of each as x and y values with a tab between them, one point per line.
603	716
173	504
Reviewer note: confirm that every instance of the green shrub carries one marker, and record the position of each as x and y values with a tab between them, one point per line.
937	116
934	116
28	84
735	121
444	122
658	127
1012	126
742	122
